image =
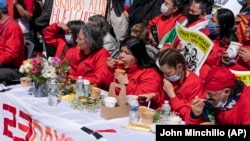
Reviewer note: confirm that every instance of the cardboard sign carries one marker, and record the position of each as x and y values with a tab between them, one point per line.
197	46
68	10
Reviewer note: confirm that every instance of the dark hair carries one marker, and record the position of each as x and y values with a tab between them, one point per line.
101	22
93	36
205	5
226	22
172	58
182	5
138	49
237	88
75	27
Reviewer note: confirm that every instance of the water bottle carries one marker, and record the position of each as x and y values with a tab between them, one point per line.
79	87
86	87
166	109
53	92
133	112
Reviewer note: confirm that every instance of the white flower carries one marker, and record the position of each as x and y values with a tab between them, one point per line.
48	72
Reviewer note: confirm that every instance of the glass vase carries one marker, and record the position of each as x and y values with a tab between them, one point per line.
40	90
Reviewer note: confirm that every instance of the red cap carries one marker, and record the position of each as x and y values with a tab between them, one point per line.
219	78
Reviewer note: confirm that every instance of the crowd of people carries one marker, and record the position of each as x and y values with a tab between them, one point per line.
139	38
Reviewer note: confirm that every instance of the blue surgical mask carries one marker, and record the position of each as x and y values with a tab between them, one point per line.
241	2
164	9
212	28
68	39
174	78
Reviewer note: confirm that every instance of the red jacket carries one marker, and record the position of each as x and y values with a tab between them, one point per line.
92	67
165	24
214	60
28	6
12	52
53	38
239	114
185	93
141	81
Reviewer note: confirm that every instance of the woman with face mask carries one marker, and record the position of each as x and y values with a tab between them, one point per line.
63	37
172	11
180	84
227	99
141	75
222	32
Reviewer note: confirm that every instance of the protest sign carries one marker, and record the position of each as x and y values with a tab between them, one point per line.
196	46
67	10
243	76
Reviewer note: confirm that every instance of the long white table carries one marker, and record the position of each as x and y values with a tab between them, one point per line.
78	118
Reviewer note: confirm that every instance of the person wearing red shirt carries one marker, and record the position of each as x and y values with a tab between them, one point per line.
94	55
11	46
142	77
63	37
197	18
172	11
181	85
228	97
221	29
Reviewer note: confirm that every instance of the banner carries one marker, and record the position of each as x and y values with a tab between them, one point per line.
243	76
196	47
20	122
233	5
67	10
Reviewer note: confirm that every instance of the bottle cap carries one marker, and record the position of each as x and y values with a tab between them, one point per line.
166	101
87	82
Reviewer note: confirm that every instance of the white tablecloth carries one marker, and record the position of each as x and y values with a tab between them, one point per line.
83	118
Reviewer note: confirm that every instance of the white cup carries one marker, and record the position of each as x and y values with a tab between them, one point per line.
130	98
110	101
233	49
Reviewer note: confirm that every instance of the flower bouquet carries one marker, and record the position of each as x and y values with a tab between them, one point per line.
41	70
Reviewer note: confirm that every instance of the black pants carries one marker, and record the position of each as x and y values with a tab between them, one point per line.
10	76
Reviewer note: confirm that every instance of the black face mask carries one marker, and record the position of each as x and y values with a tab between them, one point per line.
192	18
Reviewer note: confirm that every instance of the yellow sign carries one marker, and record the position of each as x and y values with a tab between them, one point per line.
244	76
194	37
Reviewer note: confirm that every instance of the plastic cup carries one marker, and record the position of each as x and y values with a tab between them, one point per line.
110	101
233	49
148	117
25	81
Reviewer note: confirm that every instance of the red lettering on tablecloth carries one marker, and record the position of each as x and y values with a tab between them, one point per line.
34	131
9	122
28	127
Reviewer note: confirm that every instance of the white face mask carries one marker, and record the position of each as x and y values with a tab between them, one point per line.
164	9
68	39
174	78
221	104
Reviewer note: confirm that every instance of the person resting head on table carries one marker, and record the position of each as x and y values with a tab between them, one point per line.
227	99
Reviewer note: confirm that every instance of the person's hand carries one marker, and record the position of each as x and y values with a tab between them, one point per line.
121	78
63	26
197	106
111	62
244	54
225	59
168	88
237	19
147	97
